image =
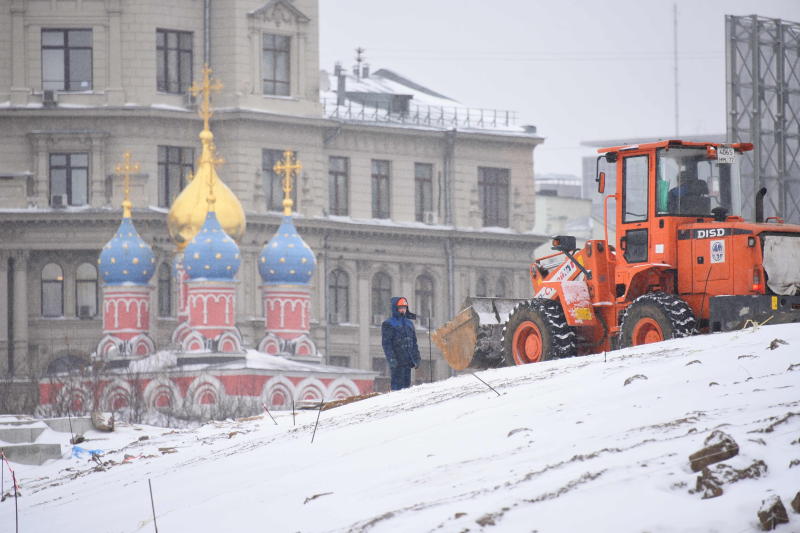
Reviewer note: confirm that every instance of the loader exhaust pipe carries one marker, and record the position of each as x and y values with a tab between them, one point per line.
760	204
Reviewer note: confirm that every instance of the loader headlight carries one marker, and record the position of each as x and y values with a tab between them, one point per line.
751	242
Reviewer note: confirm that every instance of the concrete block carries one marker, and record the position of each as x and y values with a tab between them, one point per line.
32	454
20	434
80	424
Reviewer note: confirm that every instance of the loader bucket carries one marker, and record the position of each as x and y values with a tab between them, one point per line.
473	339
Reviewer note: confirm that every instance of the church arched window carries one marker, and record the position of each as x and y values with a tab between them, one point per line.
52	290
86	291
381	297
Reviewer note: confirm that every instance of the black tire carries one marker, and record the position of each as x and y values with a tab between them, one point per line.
653	315
545	320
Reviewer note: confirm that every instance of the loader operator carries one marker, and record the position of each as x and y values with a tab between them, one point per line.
690	197
399	340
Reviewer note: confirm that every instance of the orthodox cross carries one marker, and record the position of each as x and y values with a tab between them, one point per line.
126	169
205	87
287	167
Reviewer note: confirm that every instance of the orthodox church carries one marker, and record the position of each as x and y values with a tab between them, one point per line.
207	371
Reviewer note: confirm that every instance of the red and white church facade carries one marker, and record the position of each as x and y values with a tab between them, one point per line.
209	372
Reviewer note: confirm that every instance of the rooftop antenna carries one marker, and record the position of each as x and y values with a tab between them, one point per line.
675	61
359	59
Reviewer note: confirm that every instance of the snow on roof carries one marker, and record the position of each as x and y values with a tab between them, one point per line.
386	97
252	359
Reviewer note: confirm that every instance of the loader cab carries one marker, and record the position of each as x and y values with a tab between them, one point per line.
661	186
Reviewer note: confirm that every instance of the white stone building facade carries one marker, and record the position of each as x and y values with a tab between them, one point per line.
432	213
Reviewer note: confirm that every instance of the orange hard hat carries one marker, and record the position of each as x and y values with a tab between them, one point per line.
402	302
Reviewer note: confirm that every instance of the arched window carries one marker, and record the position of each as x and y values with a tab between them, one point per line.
381	297
86	291
423	296
501	290
338	297
480	287
52	290
164	290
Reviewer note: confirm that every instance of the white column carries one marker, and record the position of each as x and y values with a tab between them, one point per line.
21	363
19	88
362	301
4	294
115	95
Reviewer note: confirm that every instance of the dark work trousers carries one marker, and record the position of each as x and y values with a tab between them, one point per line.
401	377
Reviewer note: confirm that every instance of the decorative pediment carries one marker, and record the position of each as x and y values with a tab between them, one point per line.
279	12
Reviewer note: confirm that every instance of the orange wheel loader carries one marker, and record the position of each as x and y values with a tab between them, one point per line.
684	262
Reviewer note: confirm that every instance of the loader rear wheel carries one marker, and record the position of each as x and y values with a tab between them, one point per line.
655	317
537	331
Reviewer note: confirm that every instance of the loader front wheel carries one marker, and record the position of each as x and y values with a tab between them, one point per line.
537	331
655	317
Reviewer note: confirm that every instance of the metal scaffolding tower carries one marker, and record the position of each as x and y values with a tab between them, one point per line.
763	104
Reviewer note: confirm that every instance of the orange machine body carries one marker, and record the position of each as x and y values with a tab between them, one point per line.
658	249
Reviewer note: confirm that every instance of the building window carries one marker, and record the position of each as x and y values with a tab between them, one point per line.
69	179
501	288
173	61
480	288
381	297
67	60
339	297
52	291
174	163
423	190
164	290
339	360
493	195
275	64
338	185
423	294
86	291
380	188
379	365
273	182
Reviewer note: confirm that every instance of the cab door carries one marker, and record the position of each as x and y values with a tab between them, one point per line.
634	209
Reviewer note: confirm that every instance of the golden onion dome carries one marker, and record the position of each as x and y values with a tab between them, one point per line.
188	212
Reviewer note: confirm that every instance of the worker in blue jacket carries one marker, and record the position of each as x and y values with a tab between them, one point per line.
399	339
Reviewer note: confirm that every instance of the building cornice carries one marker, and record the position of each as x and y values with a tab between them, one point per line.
154	220
224	114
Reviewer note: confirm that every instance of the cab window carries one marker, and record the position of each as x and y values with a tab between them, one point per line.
634	200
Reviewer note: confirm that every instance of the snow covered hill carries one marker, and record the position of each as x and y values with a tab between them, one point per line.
588	444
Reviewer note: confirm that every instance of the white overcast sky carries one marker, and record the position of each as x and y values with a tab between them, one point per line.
577	69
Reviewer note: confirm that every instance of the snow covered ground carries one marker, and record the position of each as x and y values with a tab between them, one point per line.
566	447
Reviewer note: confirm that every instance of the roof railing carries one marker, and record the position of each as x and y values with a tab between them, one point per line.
420	115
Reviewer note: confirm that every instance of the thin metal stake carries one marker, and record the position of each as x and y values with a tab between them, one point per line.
72	435
293	422
16	508
321	403
270	414
479	379
153	505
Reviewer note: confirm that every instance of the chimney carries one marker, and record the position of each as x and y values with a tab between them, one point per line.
340	84
365	71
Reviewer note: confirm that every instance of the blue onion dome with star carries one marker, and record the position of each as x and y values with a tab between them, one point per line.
211	254
286	258
126	259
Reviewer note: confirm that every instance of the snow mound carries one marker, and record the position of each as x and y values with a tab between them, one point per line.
566	446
